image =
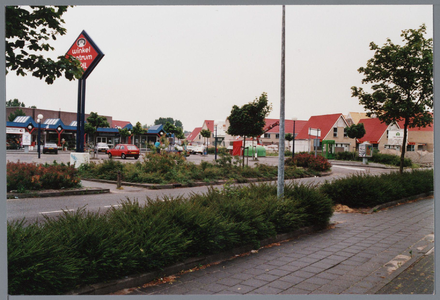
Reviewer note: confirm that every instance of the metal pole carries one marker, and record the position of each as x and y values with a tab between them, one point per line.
39	137
293	144
83	104
215	143
280	186
78	119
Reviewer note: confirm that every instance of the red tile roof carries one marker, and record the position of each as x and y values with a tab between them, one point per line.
121	124
427	128
323	122
288	126
210	125
374	129
194	134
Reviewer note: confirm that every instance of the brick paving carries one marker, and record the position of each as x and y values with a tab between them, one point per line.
358	256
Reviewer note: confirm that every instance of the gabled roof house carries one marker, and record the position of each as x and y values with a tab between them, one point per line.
331	128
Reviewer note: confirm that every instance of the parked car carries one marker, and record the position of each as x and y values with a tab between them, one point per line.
50	148
102	147
124	151
198	149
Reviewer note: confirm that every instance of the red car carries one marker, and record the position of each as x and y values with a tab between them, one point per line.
124	151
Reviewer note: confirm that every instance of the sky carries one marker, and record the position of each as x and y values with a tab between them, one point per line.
193	63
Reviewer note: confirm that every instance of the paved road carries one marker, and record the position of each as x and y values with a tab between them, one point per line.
34	208
359	255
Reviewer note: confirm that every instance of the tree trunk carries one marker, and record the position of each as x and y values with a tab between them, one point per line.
402	155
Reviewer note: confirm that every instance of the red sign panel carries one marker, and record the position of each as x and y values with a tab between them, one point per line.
86	51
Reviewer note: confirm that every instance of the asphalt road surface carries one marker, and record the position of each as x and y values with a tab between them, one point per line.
33	209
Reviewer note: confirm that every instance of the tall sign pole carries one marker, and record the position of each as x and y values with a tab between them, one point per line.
280	186
88	53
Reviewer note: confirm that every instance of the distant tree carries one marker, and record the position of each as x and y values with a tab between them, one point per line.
14	103
402	78
249	120
15	114
288	137
138	130
163	121
355	131
95	121
27	31
206	134
123	132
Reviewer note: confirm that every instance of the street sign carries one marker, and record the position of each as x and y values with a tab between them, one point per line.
87	52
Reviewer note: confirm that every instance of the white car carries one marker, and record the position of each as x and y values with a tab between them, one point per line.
198	149
102	147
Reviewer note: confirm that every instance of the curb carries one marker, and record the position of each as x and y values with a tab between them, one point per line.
400	201
138	280
42	194
194	184
427	246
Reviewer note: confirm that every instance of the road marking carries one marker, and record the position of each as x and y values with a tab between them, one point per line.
349	168
55	211
107	206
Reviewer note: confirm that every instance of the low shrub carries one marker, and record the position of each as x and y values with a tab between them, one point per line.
381	158
362	190
31	176
60	254
307	160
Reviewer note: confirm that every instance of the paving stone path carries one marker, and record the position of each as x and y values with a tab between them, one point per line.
358	256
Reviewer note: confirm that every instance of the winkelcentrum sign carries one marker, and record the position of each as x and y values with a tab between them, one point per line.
88	53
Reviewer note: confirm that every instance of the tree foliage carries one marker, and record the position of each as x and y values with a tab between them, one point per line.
356	131
164	121
401	78
249	120
28	30
288	137
173	129
16	113
14	103
95	121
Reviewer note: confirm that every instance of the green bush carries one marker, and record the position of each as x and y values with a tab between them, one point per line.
307	160
32	176
381	158
60	254
362	190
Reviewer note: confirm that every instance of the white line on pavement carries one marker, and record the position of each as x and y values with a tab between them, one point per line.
350	168
113	205
55	211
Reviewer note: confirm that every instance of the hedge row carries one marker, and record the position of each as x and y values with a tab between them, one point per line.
58	255
363	190
173	168
381	158
31	176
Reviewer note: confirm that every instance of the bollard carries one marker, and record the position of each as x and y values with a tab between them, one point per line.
118	186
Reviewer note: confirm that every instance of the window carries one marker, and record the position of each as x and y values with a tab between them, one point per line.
277	136
410	148
335	131
267	135
345	132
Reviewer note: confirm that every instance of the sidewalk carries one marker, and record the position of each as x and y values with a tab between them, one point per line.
379	253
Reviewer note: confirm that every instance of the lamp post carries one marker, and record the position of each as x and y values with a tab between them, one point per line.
39	119
293	140
215	143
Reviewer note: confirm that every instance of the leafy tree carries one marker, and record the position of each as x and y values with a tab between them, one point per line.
206	133
27	31
402	82
124	132
164	121
15	114
138	130
249	120
355	131
14	103
288	137
95	121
